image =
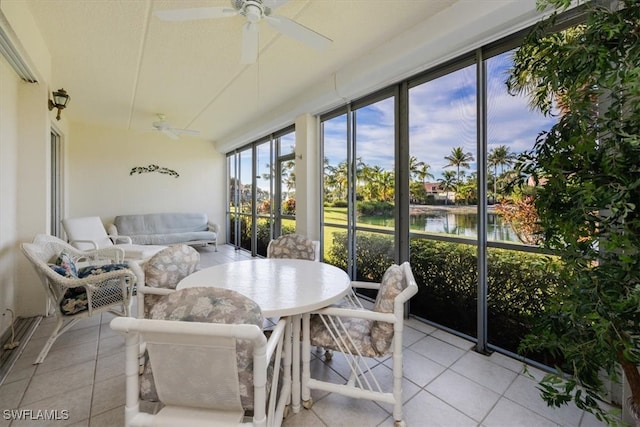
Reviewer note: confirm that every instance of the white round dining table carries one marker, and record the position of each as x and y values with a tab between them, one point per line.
281	287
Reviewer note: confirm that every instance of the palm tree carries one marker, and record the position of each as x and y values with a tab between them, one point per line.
499	156
423	172
448	183
459	158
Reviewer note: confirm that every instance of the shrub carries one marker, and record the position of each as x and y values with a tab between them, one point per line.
375	208
519	283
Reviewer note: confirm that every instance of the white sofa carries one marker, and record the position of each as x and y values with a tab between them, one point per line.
166	229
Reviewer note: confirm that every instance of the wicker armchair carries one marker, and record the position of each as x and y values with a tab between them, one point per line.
360	334
79	284
208	362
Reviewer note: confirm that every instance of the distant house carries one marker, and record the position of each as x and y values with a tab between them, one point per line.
433	187
438	192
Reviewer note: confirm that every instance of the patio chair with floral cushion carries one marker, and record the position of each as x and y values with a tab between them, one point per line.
162	272
79	284
291	246
207	362
359	334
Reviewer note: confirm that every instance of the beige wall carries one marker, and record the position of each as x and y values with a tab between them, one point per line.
100	160
8	189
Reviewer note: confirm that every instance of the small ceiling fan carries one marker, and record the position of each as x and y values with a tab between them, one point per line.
165	127
254	11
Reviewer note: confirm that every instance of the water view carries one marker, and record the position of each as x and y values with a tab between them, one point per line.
455	221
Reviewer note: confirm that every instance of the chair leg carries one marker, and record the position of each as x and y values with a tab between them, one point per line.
57	331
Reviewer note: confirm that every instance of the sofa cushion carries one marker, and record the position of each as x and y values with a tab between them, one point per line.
160	223
172	238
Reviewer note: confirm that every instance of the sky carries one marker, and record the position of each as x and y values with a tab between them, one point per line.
442	115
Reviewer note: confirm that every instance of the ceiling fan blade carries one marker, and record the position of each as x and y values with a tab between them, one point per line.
169	133
299	32
195	13
185	131
249	43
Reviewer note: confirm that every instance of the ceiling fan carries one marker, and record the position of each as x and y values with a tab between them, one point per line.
254	11
165	127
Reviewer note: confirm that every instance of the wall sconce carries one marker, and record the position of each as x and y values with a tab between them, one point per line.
60	101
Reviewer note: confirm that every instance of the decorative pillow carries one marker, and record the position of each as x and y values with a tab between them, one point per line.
66	262
100	269
74	300
60	270
390	287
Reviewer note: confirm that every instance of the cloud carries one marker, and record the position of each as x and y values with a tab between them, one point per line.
442	115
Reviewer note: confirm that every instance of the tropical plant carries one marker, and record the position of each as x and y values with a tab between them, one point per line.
459	159
520	212
448	183
499	156
588	198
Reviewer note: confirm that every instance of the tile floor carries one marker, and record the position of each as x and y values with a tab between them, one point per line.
446	383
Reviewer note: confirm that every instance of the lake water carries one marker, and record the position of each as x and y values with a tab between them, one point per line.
449	222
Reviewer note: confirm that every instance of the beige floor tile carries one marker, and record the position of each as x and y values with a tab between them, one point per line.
20	372
524	391
510	413
507	362
59	382
384	375
109	366
112	418
424	409
411	336
108	394
74	337
463	394
437	350
337	410
418	368
420	326
482	370
453	340
305	418
11	393
111	345
68	356
76	402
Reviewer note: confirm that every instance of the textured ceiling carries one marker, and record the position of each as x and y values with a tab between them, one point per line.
122	65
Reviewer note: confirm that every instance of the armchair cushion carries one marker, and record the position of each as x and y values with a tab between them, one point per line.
74	300
390	287
100	269
292	246
358	342
212	305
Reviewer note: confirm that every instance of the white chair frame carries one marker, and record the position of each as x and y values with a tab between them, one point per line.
179	333
362	384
